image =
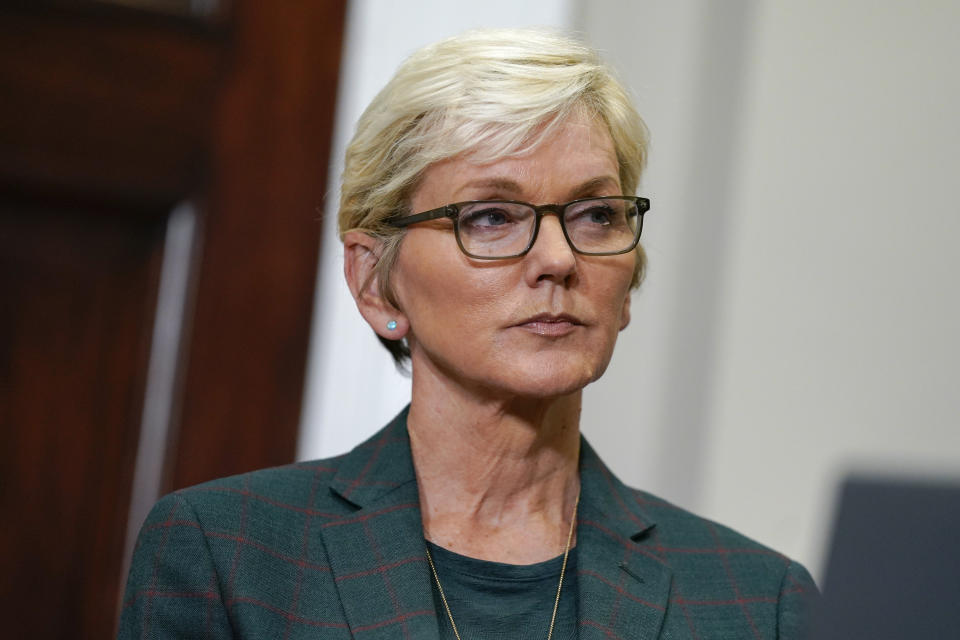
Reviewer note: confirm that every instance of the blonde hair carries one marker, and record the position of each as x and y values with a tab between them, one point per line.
490	93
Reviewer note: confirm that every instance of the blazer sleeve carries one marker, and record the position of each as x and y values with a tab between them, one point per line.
173	590
798	597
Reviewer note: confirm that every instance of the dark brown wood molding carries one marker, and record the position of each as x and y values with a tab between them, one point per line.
109	117
248	351
110	105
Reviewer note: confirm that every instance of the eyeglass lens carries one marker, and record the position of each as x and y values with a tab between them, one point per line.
502	229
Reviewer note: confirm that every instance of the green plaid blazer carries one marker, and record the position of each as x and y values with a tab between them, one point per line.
334	549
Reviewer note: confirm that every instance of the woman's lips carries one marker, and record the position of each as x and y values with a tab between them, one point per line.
550	325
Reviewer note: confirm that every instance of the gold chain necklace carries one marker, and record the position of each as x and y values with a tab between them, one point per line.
556	601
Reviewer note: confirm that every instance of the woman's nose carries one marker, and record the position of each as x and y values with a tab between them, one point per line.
551	257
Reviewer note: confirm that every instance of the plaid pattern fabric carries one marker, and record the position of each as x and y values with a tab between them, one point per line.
334	549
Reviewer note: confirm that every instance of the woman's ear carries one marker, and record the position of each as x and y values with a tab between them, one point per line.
361	253
625	313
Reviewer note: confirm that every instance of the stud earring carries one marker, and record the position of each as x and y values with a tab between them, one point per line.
392	325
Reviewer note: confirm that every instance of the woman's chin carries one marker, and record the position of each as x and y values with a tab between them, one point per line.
544	380
512	371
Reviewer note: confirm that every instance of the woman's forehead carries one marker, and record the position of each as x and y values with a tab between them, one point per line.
578	156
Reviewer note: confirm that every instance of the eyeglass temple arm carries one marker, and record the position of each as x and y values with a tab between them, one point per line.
447	211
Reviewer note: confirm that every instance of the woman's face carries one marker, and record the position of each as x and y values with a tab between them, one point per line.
541	325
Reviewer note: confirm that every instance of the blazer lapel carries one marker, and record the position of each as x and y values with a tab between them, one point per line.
624	586
377	552
378	562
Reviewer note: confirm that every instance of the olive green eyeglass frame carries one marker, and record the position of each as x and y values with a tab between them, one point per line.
452	211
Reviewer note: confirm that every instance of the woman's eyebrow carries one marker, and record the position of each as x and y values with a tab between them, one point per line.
592	186
511	186
495	183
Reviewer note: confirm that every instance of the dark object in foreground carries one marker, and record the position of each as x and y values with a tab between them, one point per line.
894	564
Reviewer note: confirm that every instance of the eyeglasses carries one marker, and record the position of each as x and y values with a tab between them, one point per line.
498	229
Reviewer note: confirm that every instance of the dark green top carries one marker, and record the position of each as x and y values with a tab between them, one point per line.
496	601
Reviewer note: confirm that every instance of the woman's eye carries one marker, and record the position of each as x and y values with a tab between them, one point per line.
597	215
490	217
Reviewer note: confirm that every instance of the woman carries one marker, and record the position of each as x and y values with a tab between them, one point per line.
478	511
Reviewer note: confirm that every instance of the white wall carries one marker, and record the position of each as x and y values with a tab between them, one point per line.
838	345
799	314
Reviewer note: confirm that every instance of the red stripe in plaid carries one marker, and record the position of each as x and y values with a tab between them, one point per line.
295	601
285	614
386	577
597	625
402	618
380	569
721	603
313	465
303	564
245	541
246	493
733	581
172	523
239	546
157	560
678	599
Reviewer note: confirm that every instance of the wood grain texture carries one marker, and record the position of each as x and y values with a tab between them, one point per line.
78	292
109	117
241	405
108	104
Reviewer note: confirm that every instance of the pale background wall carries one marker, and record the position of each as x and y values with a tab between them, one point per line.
800	311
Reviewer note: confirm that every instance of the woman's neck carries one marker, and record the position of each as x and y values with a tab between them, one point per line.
497	478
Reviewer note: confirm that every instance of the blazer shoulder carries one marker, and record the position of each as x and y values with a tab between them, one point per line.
681	527
684	538
281	495
201	546
713	563
301	487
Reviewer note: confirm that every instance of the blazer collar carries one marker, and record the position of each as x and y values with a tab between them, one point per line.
375	468
623	584
376	551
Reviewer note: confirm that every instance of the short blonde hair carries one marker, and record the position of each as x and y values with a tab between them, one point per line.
489	93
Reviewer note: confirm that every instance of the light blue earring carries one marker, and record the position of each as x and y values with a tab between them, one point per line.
392	325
